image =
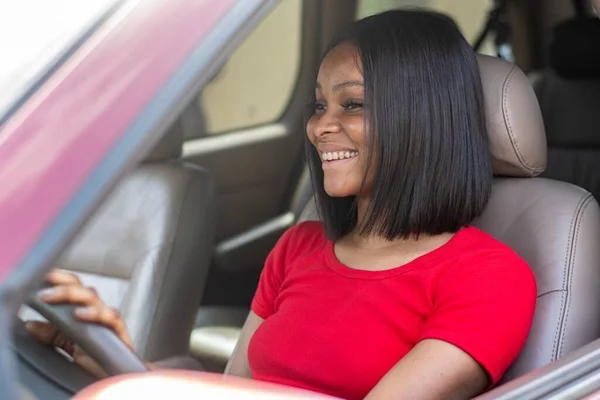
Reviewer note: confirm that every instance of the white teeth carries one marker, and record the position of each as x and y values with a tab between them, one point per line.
338	155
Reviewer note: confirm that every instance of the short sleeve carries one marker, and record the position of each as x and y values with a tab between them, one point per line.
485	307
271	277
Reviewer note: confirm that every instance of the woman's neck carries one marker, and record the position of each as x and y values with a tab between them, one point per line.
370	241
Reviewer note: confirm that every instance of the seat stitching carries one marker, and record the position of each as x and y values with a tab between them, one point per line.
539	296
509	125
567	275
586	201
562	300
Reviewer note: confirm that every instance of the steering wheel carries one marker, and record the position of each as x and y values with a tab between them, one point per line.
99	342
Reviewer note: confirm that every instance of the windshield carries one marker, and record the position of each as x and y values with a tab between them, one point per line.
33	33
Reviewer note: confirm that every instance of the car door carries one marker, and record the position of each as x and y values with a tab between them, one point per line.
247	128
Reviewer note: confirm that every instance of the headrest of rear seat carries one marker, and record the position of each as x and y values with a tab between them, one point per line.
514	121
575	49
169	146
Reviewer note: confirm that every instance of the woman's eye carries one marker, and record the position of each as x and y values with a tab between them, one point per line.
319	107
352	105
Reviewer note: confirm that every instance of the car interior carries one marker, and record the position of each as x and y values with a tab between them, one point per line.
178	245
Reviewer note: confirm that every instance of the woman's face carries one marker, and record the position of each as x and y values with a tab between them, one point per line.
336	127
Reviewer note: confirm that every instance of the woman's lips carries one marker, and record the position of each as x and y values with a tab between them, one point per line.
328	165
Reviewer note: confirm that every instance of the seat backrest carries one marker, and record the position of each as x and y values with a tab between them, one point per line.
554	226
147	249
569	97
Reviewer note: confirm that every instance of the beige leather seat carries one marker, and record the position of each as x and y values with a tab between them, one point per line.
147	249
554	225
569	97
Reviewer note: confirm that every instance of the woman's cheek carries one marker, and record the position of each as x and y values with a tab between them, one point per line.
310	129
353	125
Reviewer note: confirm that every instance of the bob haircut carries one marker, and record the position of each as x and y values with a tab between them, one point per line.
424	123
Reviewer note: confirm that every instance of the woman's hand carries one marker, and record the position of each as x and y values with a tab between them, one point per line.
68	289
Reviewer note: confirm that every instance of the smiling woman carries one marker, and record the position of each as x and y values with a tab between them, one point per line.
415	122
394	284
338	108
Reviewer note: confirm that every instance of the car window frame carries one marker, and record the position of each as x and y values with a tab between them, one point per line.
149	124
299	93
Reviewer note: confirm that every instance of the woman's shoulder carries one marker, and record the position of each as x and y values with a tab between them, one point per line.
301	238
481	243
310	228
307	233
481	256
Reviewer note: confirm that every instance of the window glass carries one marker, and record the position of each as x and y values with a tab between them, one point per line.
255	85
470	15
33	33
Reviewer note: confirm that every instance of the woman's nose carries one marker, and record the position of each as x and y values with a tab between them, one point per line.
327	124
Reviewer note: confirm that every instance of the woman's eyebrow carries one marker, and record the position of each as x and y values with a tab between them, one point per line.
346	84
342	85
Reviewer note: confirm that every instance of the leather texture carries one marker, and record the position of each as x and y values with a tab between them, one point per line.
147	251
514	121
554	226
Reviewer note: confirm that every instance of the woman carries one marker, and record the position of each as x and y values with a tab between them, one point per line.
394	294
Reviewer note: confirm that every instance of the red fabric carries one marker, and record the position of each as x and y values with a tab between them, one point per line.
337	330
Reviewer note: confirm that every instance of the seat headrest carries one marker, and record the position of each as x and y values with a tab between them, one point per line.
570	109
514	121
169	146
575	48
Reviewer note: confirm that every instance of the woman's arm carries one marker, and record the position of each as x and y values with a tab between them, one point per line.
433	369
238	364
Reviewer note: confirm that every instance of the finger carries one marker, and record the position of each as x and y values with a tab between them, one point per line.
88	363
42	331
70	294
109	317
65	343
62	277
50	335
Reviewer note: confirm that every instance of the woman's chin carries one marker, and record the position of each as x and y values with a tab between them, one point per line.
338	192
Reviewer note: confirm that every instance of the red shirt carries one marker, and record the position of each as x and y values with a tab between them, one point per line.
337	330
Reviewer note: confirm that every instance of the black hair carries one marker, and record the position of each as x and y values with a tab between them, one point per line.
424	107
